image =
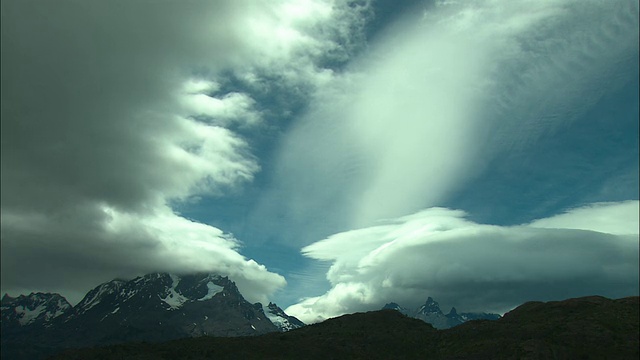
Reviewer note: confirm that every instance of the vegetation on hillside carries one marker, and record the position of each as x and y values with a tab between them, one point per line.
584	328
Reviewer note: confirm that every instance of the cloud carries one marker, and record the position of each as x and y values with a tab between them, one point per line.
49	252
113	113
231	107
612	218
477	267
433	104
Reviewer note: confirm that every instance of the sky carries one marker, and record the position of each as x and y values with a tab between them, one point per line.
329	155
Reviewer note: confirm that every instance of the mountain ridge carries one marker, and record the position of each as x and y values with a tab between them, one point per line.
431	313
580	328
154	307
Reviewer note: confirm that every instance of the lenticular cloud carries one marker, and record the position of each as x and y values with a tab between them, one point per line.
477	267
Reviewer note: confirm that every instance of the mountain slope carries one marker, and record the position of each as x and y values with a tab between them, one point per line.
159	307
281	320
155	307
35	309
584	328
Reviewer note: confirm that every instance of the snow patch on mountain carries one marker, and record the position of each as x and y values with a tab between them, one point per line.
280	319
27	316
126	294
212	290
61	308
33	308
174	299
396	307
95	296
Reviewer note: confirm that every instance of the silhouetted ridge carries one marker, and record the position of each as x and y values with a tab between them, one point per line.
584	328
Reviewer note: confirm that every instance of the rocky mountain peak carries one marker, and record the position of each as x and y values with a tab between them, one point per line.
6	299
431	313
430	307
396	307
152	307
281	320
33	309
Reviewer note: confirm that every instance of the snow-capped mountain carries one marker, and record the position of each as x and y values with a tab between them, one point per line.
431	313
161	306
396	307
35	309
154	307
281	320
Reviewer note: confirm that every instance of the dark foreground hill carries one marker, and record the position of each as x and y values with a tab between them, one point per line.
583	328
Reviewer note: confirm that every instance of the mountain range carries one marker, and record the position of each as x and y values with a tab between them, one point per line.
155	307
430	312
584	328
204	316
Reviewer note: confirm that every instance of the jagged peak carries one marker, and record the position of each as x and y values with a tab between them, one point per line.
6	298
40	297
275	309
273	306
282	320
430	306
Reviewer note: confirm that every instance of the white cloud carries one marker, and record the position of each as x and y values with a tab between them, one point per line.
432	104
120	244
199	86
612	218
102	131
475	267
232	107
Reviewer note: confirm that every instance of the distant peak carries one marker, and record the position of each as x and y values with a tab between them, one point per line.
430	307
431	302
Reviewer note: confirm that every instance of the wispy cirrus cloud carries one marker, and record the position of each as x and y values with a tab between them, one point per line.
433	104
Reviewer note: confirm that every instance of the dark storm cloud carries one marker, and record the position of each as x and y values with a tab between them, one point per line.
87	95
113	114
95	133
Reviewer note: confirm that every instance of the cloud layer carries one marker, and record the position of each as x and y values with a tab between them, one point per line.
112	114
476	267
117	117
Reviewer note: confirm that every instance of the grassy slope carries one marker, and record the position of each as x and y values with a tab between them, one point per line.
585	328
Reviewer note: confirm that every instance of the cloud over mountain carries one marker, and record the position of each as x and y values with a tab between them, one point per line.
496	137
477	267
112	115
